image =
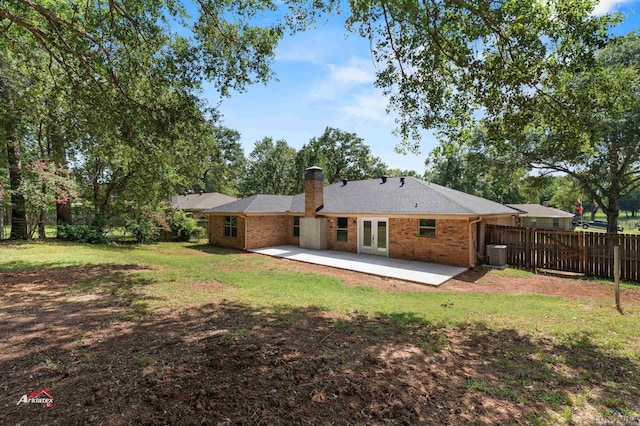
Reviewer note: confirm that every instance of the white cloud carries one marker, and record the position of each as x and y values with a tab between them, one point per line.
368	106
355	73
300	53
343	79
606	6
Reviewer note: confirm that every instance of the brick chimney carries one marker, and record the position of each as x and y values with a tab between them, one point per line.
313	190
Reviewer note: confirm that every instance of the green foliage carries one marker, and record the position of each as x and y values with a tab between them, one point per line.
226	163
114	89
598	144
631	202
82	234
43	184
147	227
471	165
184	227
341	155
270	169
443	61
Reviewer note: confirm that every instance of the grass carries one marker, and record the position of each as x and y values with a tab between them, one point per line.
629	224
178	276
172	274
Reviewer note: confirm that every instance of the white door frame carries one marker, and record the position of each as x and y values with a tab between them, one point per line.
374	229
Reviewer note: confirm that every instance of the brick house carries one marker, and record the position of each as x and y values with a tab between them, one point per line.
544	217
405	218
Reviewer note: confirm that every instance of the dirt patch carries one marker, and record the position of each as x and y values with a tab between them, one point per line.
106	360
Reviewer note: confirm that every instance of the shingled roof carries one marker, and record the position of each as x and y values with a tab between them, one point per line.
261	203
537	210
414	197
204	201
372	196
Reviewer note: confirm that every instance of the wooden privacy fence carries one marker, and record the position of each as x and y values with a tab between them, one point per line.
589	253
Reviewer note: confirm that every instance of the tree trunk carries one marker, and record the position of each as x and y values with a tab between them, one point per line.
612	215
59	156
41	229
594	210
12	144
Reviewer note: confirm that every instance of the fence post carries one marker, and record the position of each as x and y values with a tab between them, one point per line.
616	274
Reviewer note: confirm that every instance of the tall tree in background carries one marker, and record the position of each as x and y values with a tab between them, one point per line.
270	169
469	165
226	162
630	203
598	147
341	155
128	79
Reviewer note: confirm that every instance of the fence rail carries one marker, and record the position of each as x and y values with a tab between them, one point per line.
589	253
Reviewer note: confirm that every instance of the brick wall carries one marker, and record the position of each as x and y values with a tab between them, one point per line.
216	233
261	231
266	231
351	245
313	196
449	246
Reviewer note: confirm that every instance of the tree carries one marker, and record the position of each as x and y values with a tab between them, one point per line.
630	203
400	172
441	61
341	155
120	88
270	169
472	166
598	147
226	162
89	39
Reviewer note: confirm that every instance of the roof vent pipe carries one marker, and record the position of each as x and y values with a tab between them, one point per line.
401	181
344	182
384	179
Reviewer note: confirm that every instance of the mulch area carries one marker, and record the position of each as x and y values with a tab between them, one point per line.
108	361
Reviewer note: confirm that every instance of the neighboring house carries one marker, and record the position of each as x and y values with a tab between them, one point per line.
540	216
403	218
198	203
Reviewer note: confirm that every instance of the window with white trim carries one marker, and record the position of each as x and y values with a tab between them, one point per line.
231	226
427	227
296	226
342	233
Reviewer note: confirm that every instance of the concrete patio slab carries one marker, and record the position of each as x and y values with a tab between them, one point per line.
408	270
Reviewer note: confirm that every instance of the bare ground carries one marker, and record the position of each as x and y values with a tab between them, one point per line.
108	361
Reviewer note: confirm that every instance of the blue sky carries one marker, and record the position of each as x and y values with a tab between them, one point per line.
325	78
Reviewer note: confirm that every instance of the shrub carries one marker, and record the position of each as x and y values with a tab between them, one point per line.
81	234
184	227
144	229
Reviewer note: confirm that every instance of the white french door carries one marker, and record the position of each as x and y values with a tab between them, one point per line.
373	236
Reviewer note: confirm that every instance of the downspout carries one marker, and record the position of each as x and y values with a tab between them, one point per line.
246	230
475	249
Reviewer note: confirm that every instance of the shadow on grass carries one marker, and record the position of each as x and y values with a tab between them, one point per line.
211	249
25	266
105	358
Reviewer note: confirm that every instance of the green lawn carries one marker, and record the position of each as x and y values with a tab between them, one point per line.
629	224
174	268
170	276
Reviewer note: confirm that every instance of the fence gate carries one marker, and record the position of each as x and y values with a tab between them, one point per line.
589	253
